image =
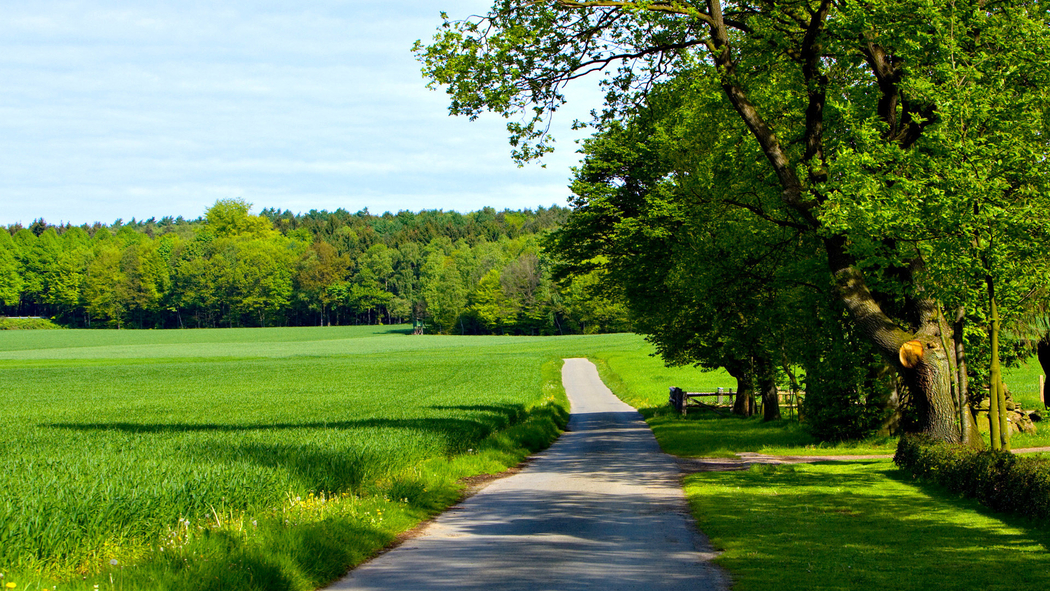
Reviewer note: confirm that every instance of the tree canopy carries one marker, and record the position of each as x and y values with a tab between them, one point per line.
905	142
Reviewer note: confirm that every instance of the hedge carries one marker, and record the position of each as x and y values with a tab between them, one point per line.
997	479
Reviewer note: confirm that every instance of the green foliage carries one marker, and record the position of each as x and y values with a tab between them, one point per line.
999	480
10	279
230	218
847	386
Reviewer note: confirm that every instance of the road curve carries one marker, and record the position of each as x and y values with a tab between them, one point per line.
602	508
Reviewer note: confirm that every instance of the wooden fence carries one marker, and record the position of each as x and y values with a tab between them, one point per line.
682	401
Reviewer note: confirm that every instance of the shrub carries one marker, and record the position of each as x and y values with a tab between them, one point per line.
846	395
997	479
848	389
26	323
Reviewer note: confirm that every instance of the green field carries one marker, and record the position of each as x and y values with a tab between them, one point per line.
252	458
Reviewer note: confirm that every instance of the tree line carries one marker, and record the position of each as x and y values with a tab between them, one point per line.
476	273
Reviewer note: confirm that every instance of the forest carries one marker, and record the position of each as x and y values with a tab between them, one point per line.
476	273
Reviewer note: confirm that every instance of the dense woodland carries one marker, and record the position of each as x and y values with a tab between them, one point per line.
476	273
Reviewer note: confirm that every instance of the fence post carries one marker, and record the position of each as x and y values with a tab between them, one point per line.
677	399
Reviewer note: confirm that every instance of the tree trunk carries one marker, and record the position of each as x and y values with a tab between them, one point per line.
971	437
891	425
918	357
1042	350
767	383
929	383
744	403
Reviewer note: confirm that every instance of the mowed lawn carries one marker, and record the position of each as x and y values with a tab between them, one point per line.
254	458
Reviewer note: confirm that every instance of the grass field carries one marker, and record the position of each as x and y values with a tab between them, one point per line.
255	458
277	458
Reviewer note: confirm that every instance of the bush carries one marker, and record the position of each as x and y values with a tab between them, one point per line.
846	392
997	479
26	323
849	392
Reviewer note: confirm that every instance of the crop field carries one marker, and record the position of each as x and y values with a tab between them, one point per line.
252	458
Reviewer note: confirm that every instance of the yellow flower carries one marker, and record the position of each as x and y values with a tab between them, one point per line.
10	585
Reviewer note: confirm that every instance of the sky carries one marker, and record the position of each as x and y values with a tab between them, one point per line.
118	110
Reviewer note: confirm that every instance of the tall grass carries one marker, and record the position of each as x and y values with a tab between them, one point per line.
255	458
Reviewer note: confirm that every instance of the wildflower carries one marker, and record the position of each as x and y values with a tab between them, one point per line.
114	562
10	585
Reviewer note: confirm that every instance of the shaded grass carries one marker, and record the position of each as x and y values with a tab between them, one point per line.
208	459
858	525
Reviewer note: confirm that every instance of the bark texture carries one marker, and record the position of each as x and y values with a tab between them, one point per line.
767	384
744	404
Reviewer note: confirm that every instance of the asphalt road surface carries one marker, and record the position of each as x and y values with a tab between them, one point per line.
602	508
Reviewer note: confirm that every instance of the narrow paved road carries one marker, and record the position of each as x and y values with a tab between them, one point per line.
600	509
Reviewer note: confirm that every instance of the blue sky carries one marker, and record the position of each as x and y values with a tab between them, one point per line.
138	109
